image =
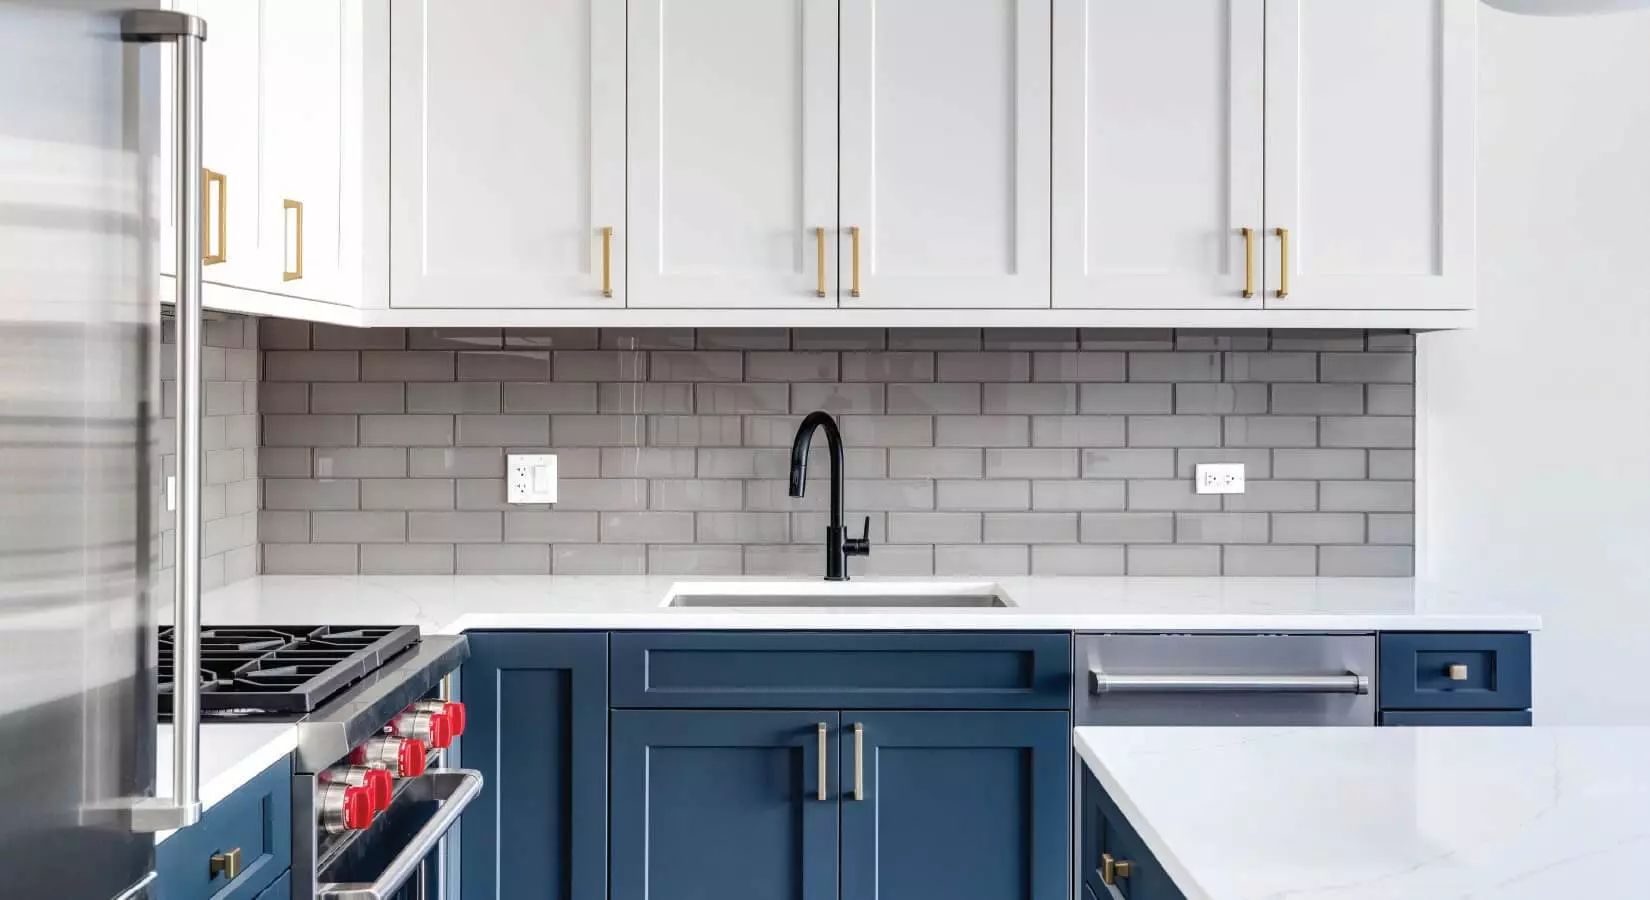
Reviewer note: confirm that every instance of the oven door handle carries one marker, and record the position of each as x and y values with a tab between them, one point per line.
454	789
1113	683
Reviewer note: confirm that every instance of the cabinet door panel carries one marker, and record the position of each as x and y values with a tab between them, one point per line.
715	805
732	151
507	129
301	145
956	804
231	63
1370	153
1158	121
945	153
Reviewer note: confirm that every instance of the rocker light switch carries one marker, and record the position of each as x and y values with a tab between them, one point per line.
530	478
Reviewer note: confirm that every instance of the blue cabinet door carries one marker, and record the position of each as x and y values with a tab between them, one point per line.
960	805
536	704
723	805
280	890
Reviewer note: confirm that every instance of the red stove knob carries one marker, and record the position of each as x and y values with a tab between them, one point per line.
452	709
378	781
410	758
403	757
343	807
431	727
358	808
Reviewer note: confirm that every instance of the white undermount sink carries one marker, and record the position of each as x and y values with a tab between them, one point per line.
759	595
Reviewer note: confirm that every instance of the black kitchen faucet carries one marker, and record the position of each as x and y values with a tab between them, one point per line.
838	546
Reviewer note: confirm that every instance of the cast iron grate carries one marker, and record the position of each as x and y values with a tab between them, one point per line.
282	669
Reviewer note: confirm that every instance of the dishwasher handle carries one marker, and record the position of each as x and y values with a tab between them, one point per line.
1101	682
454	788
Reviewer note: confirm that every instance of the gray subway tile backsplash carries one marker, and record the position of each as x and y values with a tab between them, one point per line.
994	452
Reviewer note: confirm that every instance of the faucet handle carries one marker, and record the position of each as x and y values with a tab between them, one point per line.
860	546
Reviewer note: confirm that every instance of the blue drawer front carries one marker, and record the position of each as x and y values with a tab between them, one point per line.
1106	831
789	670
1416	671
280	890
257	819
1422	718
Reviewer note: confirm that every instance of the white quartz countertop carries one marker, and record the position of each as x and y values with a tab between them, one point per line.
1378	813
452	604
231	755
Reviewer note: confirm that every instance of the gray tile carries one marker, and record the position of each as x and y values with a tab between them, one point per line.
281	334
1222	528
1169	496
1078	431
453	397
503	559
1389	368
695	431
240	564
839	339
643	397
940	462
1367	561
836	398
1041	463
648	462
884	494
932	528
1080	496
549	339
546	397
810	526
598	431
1391	340
278	526
743	528
1174	367
310	559
224	466
598	559
888	367
934	398
934	339
469	527
1178	560
888	560
792	366
1052	399
599	365
982	560
1221	339
744	338
1271	367
1318	399
1317	339
724	399
1271	431
343	337
410	365
1391	399
283	397
242	497
226	398
1366	496
480	430
309	431
1079	366
1077	560
1220	398
1392	464
1368	431
241	365
1317	528
1274	496
1391	528
456	462
555	527
360	462
1111	463
730	462
1318	464
357	397
777	431
982	431
982	495
407	493
1251	561
888	431
695	559
311	365
455	338
647	338
602	493
697	365
985	366
1126	338
407	559
691	493
284	462
1126	398
1127	528
406	431
358	527
298	493
241	431
1031	528
1174	431
773	495
795	560
1029	339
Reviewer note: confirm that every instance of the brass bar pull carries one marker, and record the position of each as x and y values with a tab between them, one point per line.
859	761
607	261
1112	868
824	751
819	241
1283	263
1248	262
297	209
227	864
853	289
209	178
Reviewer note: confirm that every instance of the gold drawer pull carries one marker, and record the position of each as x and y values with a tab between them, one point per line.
1248	262
227	864
607	261
1112	868
853	285
1283	263
208	178
1456	672
297	209
819	249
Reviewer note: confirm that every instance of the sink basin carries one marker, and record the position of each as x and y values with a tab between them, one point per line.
837	595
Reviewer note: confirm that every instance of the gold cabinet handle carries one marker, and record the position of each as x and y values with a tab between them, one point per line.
209	178
607	261
824	751
853	285
1456	672
1112	868
227	864
1248	262
297	209
1283	263
819	247
859	761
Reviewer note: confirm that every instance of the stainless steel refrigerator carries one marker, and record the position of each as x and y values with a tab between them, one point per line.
80	215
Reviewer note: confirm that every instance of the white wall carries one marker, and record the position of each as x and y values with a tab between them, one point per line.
1536	426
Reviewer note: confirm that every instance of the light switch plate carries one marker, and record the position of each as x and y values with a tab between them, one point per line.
530	478
1219	478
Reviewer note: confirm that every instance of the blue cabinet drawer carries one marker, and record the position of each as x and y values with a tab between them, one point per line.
256	820
1422	718
280	890
1105	833
1454	671
861	670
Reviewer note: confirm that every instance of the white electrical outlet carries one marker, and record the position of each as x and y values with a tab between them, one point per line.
1219	478
530	478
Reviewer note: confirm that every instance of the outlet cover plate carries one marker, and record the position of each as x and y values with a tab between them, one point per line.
1219	478
530	478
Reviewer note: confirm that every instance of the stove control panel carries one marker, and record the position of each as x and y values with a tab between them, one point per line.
343	807
403	757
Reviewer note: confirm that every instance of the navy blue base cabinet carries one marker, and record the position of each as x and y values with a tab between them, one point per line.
537	729
1450	678
1115	861
254	823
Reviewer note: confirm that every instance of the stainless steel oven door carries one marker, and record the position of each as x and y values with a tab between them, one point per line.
398	857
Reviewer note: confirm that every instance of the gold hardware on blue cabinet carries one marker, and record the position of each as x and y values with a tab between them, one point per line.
1456	672
226	863
1112	868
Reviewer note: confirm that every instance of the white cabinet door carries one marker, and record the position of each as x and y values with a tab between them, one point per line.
945	153
1370	153
507	153
301	145
733	154
1158	140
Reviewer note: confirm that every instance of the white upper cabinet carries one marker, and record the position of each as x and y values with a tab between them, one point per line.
732	153
302	141
1158	119
944	153
507	153
1370	153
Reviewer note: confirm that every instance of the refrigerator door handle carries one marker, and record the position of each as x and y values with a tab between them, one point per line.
186	34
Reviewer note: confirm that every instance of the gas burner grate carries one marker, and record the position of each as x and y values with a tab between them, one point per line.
281	670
